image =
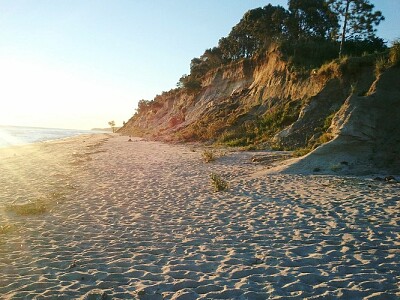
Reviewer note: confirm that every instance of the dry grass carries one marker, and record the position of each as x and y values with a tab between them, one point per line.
330	69
301	152
381	65
208	156
6	228
394	54
28	209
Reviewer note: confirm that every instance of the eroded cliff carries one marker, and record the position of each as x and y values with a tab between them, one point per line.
366	137
257	101
265	102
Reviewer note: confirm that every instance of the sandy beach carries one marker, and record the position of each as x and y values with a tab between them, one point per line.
141	220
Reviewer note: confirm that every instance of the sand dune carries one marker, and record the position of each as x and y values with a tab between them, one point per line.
140	220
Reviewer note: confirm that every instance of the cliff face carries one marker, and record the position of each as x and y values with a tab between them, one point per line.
366	139
266	101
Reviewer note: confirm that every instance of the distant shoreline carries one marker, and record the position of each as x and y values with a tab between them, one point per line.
20	135
105	129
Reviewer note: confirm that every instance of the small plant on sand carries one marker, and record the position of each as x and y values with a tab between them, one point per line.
6	228
208	156
27	209
218	183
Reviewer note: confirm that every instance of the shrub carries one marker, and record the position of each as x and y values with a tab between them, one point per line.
328	121
238	142
324	138
279	117
329	70
239	136
218	183
310	53
301	152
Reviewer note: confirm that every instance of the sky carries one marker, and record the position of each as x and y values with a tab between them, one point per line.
82	63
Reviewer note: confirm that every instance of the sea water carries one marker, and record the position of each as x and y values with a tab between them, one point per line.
17	135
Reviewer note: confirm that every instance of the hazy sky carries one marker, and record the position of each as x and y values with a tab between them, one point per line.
82	63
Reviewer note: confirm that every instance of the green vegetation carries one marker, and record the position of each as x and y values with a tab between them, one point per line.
358	20
112	125
218	183
394	54
261	128
278	118
328	122
301	151
308	35
389	59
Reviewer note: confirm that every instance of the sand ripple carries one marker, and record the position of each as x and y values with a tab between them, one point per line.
140	220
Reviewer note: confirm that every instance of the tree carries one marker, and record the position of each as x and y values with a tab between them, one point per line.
358	20
112	125
311	19
255	31
189	82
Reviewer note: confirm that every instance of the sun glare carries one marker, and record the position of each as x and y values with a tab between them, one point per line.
7	139
37	93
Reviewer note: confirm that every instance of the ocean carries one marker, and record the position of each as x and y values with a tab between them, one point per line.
17	135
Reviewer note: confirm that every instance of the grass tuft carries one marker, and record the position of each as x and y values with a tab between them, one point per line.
7	228
218	183
301	152
209	156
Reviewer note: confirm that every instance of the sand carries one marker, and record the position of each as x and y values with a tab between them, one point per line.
141	220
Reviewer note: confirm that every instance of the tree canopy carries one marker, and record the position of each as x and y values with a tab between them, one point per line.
306	24
358	20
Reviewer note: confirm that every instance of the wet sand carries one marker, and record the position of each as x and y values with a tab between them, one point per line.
140	220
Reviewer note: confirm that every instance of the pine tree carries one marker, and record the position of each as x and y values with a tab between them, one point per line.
358	18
